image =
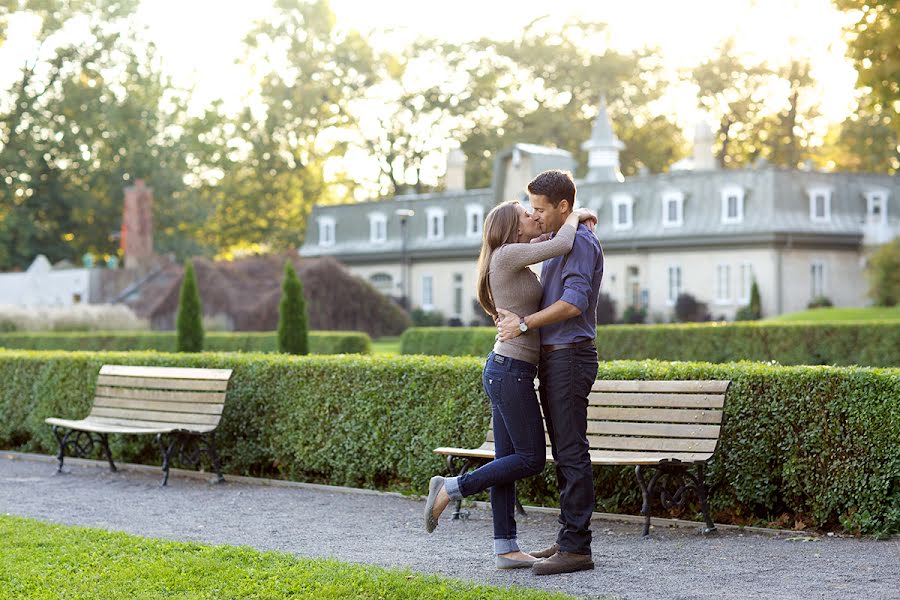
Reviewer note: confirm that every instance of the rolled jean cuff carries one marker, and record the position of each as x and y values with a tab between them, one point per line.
505	546
451	484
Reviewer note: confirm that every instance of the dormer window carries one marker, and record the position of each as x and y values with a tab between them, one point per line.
326	231
377	228
673	209
876	207
623	211
474	220
819	204
436	218
732	204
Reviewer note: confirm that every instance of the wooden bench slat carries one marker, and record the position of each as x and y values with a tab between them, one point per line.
653	429
655	415
173	396
662	400
155	425
164	384
612	457
179	407
166	372
104	427
707	386
156	416
600	442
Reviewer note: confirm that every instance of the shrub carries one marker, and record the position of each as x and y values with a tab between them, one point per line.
883	270
689	310
606	309
634	315
292	329
320	342
820	302
427	318
815	443
189	322
875	343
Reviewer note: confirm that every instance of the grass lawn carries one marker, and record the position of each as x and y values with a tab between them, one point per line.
386	345
872	313
40	560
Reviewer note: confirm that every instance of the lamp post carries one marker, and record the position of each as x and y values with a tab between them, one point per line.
404	214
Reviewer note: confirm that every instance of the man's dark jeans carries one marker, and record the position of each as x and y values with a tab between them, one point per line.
566	379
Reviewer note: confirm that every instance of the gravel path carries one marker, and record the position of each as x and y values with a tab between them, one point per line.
386	529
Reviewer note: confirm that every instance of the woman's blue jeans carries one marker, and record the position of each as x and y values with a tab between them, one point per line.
519	446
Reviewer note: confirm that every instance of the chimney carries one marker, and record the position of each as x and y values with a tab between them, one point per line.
137	225
704	159
455	179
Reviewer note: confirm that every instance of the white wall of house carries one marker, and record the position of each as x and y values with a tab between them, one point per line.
42	286
841	278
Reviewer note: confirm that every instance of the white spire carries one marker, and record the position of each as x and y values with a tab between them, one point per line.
603	148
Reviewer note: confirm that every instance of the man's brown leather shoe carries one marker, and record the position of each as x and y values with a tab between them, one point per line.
546	552
563	562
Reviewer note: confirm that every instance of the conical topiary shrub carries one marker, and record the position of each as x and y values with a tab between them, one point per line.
293	335
189	322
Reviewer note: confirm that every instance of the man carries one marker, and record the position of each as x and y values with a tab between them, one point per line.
568	367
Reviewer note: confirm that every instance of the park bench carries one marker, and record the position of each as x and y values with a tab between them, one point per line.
180	406
666	427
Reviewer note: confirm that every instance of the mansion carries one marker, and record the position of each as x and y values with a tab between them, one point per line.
800	234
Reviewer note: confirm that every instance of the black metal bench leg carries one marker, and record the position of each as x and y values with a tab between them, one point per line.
704	504
214	458
166	453
458	513
104	441
647	493
62	439
519	509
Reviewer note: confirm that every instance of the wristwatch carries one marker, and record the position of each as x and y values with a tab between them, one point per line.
523	326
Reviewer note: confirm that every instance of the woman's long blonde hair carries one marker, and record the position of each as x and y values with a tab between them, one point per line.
500	227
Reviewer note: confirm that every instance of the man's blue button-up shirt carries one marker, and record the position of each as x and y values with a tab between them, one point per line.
574	278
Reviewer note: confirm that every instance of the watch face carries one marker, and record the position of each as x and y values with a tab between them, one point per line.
523	327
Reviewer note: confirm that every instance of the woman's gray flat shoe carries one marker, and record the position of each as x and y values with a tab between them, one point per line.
512	563
437	482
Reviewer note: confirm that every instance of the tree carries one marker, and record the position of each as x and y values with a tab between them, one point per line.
867	141
752	311
873	46
293	335
884	274
549	88
189	322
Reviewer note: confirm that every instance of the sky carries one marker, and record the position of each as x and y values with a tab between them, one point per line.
200	40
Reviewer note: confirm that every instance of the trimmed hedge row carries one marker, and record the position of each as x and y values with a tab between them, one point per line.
811	444
320	342
874	343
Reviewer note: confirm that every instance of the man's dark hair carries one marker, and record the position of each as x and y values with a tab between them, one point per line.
556	185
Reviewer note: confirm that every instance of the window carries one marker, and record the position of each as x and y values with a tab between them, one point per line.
326	231
732	204
623	209
745	282
457	294
377	228
427	292
876	207
673	209
382	282
819	204
436	217
723	284
817	279
674	284
474	219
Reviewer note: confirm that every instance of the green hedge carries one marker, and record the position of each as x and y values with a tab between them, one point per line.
320	342
812	444
875	343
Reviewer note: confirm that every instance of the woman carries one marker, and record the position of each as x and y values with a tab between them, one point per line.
504	279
